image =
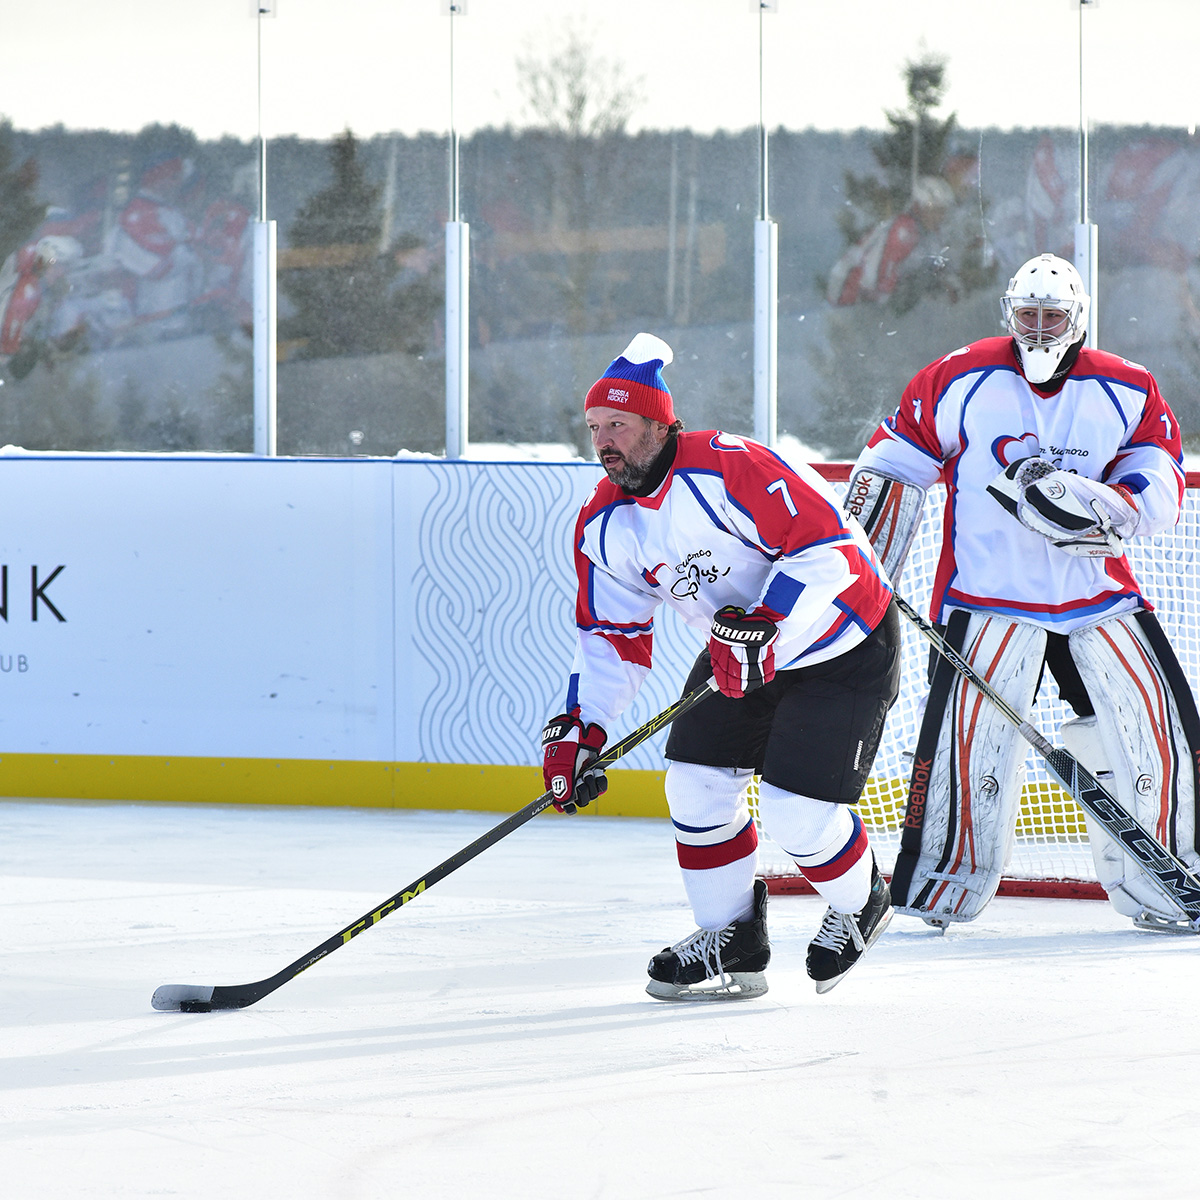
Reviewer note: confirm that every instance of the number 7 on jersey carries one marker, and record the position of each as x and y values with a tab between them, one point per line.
780	486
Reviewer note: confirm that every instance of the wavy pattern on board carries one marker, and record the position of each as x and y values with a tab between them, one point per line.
495	594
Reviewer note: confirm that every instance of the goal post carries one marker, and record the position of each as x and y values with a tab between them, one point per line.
1051	856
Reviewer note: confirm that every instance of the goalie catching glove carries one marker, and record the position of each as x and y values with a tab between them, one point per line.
568	746
741	646
1076	514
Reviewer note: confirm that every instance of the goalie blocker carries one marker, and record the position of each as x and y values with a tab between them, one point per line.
1141	742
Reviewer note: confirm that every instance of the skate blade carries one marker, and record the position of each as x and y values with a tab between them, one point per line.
741	985
1153	923
827	985
939	921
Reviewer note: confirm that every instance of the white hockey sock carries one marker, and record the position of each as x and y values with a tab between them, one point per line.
827	841
715	839
721	895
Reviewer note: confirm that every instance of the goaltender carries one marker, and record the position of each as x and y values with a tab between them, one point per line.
1053	455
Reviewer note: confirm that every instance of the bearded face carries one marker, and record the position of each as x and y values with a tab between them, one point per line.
626	445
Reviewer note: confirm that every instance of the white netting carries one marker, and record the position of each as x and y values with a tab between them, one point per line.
1051	839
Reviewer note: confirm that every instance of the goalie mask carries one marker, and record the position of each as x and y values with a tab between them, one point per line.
1046	311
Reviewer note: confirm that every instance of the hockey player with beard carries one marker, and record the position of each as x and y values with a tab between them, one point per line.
1053	455
802	640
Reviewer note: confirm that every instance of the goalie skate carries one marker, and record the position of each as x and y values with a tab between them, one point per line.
1157	923
845	937
716	964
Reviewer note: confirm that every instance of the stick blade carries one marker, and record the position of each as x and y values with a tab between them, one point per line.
182	997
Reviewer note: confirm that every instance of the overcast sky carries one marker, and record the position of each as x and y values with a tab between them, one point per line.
381	65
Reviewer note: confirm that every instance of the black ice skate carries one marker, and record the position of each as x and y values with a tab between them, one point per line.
845	937
722	964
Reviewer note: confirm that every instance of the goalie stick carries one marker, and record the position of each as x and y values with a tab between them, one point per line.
189	997
1173	878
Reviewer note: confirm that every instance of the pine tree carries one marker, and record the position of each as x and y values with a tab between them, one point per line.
343	289
917	145
20	212
942	288
923	178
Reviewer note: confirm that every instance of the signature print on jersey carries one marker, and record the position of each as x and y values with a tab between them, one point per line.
688	587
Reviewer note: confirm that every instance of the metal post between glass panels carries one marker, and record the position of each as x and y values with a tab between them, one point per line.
1087	234
766	331
458	250
766	279
264	339
264	283
458	260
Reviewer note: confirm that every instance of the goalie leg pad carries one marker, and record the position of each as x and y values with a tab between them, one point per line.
889	510
968	772
1083	740
1143	743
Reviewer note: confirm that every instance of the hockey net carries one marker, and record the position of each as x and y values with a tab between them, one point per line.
1051	856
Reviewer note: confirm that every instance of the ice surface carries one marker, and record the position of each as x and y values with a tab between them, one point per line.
492	1038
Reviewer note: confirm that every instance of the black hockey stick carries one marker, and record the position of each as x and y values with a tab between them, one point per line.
189	997
1174	879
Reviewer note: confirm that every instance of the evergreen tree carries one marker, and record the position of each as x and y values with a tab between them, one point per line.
941	294
20	212
918	144
346	288
926	182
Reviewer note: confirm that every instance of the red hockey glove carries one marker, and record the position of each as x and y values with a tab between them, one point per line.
567	747
741	648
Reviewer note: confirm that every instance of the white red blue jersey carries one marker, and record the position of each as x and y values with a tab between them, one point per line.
732	523
965	418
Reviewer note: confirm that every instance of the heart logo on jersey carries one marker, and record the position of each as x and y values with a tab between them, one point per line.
727	441
1006	450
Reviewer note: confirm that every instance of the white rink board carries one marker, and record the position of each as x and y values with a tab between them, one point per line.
359	609
213	607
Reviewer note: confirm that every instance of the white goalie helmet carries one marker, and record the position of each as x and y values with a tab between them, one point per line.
1046	311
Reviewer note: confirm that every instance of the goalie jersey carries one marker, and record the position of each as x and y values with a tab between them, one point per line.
965	418
731	523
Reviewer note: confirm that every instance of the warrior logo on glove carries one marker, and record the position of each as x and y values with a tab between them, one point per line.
568	747
742	650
